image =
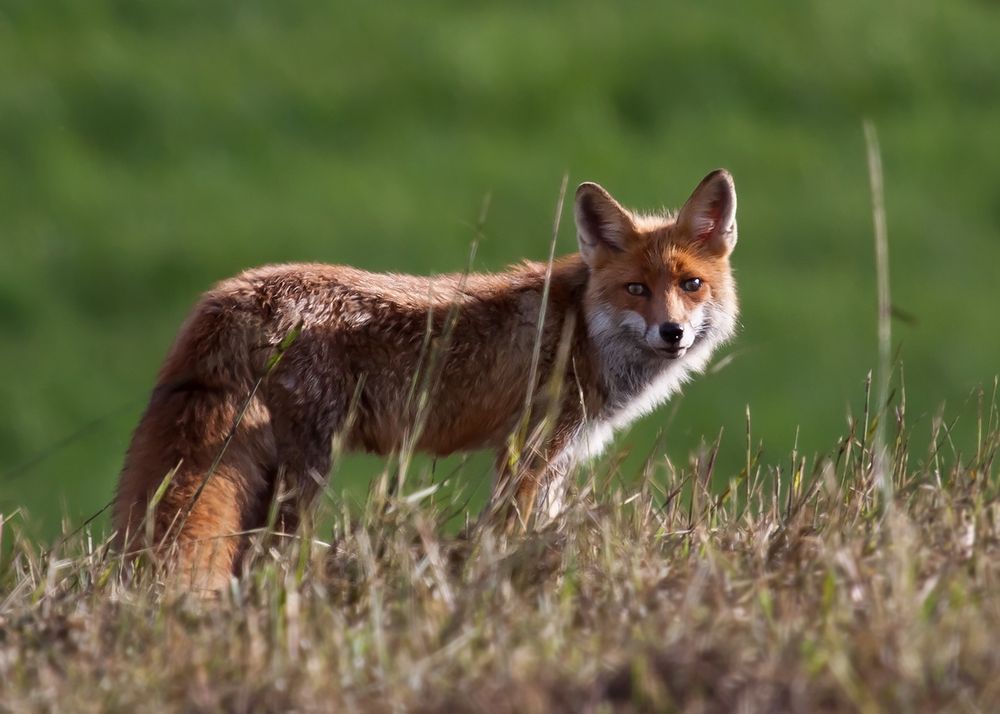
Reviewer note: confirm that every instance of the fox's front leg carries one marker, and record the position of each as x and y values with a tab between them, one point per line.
541	493
530	482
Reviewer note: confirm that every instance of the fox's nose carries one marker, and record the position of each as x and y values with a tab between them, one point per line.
672	333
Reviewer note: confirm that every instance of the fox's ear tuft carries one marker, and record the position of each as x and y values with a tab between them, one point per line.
602	224
710	214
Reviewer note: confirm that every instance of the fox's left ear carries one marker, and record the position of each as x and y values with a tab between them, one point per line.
710	214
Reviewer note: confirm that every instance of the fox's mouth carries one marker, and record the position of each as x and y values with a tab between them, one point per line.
672	352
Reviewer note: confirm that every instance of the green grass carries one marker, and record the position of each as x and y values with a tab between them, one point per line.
660	595
149	149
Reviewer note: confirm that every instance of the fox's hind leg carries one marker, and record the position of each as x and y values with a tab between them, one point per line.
307	408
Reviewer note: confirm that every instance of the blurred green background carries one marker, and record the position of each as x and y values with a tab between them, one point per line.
149	148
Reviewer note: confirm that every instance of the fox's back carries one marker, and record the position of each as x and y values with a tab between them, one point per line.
461	344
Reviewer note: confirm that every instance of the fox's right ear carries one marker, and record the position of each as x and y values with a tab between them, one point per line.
602	225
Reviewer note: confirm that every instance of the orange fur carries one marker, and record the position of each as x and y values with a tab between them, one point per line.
369	342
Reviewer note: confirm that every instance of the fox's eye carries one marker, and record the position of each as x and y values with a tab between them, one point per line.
691	285
637	289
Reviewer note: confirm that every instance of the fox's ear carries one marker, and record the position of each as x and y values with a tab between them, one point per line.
602	225
710	214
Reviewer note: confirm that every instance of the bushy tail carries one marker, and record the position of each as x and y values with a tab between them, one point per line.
209	436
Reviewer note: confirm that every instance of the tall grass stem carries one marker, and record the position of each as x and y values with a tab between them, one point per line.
882	479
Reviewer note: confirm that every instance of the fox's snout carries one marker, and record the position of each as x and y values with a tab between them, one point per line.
669	338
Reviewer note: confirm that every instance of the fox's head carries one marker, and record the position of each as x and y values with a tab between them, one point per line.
660	285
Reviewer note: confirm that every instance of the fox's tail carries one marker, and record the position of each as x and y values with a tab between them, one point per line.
206	439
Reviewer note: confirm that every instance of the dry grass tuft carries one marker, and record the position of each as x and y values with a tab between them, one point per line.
784	591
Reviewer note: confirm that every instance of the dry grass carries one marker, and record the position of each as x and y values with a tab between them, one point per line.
794	589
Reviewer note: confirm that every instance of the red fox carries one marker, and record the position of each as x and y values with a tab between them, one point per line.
274	364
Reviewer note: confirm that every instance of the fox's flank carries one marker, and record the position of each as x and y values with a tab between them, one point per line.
275	364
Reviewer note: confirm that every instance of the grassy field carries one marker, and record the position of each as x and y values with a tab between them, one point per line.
148	149
819	595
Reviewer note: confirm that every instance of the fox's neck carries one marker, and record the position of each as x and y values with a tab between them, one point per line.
627	372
